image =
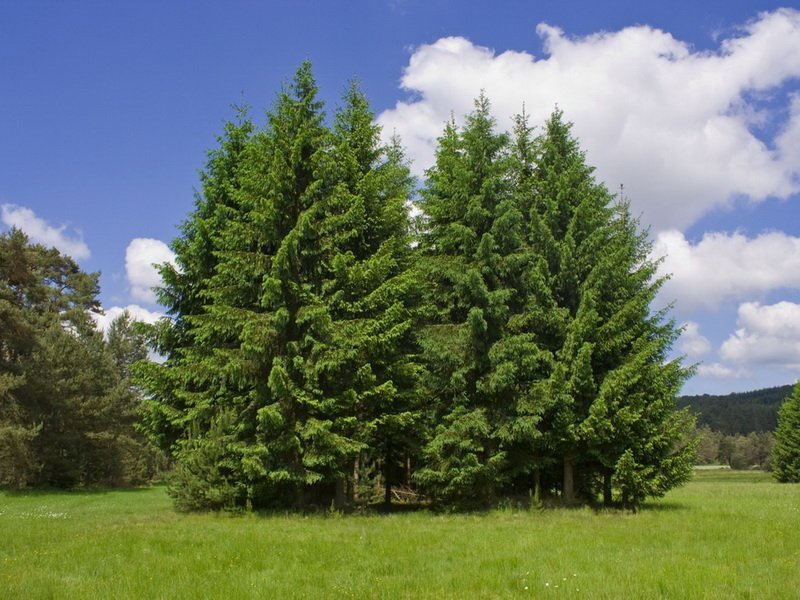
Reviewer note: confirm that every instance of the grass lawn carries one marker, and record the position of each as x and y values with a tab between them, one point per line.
724	535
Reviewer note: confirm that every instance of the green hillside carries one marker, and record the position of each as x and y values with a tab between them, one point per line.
738	413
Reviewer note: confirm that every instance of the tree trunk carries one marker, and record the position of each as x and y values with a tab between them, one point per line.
387	482
387	493
340	500
568	493
356	468
537	487
607	497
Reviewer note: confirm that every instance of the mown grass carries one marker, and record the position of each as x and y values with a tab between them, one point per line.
725	535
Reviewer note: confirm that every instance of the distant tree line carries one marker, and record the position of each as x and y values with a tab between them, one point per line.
67	405
325	348
736	430
738	413
751	451
775	447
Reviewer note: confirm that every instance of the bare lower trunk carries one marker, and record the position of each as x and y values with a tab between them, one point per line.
387	493
537	487
356	468
340	501
387	472
607	497
568	493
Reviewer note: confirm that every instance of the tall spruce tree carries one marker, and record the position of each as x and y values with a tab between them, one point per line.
266	290
233	302
293	360
537	325
612	393
369	364
472	255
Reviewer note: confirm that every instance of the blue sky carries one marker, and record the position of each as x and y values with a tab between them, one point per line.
107	109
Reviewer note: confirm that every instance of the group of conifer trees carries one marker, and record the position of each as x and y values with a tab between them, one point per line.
67	405
325	348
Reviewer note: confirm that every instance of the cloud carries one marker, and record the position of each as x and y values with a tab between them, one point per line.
719	371
726	266
767	335
692	342
136	312
788	141
141	256
675	125
41	233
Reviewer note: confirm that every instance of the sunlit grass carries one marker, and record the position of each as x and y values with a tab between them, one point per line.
725	535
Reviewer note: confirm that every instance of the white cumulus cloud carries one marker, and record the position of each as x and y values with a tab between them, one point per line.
40	232
767	335
141	256
692	342
675	125
719	371
136	312
726	266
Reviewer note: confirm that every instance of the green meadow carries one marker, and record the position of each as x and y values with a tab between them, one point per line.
724	535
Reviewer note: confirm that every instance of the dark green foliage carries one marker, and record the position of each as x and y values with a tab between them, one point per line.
481	363
288	371
786	455
546	365
612	392
739	413
315	351
66	407
206	476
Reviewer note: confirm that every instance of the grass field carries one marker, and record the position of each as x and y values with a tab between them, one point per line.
725	535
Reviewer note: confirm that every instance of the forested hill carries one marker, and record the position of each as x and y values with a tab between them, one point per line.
738	413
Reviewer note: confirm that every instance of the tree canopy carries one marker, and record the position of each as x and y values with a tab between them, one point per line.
290	367
320	350
67	407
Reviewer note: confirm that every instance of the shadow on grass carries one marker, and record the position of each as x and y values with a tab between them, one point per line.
551	506
389	509
663	507
76	491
